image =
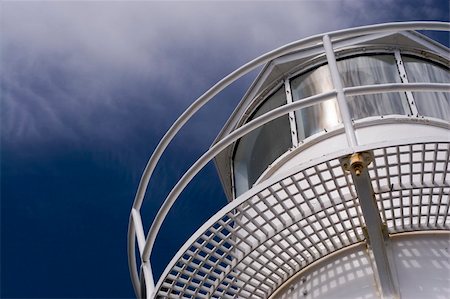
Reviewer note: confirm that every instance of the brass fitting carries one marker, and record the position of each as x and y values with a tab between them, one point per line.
356	162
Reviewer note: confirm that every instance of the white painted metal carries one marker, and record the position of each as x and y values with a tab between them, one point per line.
312	46
346	274
341	99
137	221
296	67
421	260
213	151
368	131
404	78
287	88
295	205
396	87
228	140
148	278
218	262
374	227
428	43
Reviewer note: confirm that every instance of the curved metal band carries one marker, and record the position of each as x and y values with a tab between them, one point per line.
258	122
257	189
207	96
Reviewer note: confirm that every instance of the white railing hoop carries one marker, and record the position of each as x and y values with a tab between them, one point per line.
392	87
149	282
279	177
256	123
131	247
139	231
212	152
248	67
232	77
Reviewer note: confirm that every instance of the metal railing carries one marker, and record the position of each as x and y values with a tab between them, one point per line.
291	220
136	230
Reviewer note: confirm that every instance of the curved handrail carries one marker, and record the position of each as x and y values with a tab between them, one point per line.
207	96
257	189
258	122
250	66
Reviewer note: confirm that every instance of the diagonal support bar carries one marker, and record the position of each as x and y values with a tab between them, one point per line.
357	165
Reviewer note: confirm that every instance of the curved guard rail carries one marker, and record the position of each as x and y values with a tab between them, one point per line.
296	206
136	230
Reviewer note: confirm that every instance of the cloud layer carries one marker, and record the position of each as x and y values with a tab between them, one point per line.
86	84
109	71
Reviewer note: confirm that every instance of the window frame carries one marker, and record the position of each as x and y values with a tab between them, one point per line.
315	63
257	104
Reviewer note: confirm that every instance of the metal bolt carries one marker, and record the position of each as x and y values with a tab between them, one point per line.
357	169
357	163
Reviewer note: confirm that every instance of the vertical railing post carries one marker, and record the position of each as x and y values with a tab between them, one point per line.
148	278
146	269
341	99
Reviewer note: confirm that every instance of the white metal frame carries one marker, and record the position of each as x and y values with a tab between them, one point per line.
408	104
401	68
136	230
249	212
292	121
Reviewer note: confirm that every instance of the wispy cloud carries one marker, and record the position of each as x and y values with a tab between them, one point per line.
99	71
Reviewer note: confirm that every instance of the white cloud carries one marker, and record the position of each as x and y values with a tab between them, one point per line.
176	49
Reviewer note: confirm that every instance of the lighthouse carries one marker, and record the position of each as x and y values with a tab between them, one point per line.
336	168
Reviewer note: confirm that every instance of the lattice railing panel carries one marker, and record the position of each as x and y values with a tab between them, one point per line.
411	186
260	243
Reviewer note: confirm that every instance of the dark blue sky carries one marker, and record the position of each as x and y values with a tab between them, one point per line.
88	89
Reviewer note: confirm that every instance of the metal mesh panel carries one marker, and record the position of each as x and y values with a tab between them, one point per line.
255	247
410	186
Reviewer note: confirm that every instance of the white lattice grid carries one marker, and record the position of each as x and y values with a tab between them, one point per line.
257	246
411	186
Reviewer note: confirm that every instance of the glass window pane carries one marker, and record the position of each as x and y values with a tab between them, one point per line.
258	149
315	118
434	104
368	70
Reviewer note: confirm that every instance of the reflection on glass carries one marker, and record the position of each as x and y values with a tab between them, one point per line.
315	118
436	104
258	149
368	70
